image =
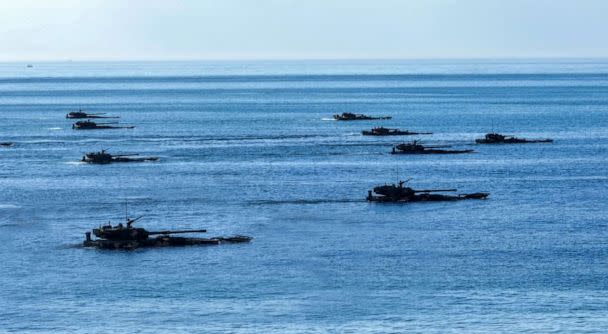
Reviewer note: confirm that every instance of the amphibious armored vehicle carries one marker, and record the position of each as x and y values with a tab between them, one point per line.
382	131
347	116
129	237
81	114
415	148
6	144
89	125
103	157
400	194
496	138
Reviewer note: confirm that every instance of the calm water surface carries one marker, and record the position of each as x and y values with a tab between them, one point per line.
249	148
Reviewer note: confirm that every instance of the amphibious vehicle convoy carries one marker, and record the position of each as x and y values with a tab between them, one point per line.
415	148
496	138
347	116
81	114
129	237
382	131
399	194
103	157
90	125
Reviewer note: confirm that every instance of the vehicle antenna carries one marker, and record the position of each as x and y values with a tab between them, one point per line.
397	170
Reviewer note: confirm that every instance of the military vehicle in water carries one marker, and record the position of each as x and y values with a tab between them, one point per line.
6	144
496	138
382	131
129	237
415	148
347	116
81	114
89	125
400	194
103	157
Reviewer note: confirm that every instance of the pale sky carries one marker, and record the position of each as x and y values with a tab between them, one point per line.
306	29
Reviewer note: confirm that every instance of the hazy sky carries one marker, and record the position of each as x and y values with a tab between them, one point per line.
269	29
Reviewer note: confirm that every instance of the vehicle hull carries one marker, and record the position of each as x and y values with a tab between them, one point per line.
393	133
513	141
100	127
162	241
425	198
118	159
432	151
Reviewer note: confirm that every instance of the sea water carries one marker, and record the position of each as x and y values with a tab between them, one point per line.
251	148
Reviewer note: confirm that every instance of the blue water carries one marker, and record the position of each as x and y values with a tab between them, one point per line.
249	148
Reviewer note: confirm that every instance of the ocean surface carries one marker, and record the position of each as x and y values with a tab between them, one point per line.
250	148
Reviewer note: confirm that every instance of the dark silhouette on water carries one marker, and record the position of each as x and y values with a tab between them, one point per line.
81	114
496	138
6	144
347	116
129	237
89	125
415	148
103	157
382	131
400	194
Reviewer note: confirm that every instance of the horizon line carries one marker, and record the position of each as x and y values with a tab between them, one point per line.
287	59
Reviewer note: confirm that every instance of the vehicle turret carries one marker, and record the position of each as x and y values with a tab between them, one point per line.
497	138
119	232
128	232
81	114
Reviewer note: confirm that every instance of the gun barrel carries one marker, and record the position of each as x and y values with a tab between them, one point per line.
177	232
433	190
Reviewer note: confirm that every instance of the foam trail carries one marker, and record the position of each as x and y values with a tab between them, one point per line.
303	201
